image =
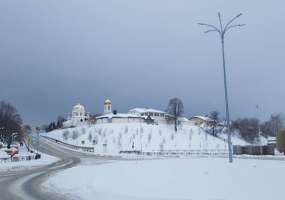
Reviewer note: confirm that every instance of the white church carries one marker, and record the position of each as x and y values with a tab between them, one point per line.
78	117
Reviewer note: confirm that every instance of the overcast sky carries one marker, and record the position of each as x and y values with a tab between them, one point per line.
141	53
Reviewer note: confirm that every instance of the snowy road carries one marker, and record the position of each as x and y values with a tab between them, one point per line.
24	184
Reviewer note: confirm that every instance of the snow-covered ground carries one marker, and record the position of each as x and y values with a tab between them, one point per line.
139	136
175	179
8	165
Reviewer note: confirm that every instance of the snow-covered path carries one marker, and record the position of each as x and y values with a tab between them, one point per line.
191	178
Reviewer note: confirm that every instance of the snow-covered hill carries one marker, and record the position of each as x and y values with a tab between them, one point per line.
138	136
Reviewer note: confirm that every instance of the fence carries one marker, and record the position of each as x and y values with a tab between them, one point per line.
86	149
20	158
253	150
209	152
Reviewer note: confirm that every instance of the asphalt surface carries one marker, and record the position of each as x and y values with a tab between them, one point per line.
26	184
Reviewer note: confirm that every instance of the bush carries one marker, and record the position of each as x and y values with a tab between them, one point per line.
126	129
65	135
149	137
74	134
172	136
95	140
90	137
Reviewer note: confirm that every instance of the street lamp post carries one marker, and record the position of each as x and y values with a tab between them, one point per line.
222	30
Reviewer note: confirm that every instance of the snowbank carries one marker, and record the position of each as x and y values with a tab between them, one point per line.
173	179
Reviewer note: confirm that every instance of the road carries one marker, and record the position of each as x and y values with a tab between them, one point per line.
25	184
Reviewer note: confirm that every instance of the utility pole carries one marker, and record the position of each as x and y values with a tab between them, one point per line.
222	30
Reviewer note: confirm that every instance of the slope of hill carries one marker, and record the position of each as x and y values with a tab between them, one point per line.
114	137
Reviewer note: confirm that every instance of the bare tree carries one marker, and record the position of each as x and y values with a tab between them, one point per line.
10	123
65	134
214	115
175	109
273	125
247	127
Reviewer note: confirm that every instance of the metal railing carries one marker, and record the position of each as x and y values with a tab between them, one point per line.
19	158
75	147
209	152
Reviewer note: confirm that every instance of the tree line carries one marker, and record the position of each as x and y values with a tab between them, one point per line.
250	128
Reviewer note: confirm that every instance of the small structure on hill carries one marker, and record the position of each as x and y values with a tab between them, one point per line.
157	115
78	117
119	118
199	120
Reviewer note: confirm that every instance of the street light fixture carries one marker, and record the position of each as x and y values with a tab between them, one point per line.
222	30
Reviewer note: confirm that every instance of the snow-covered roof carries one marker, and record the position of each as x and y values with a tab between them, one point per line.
271	138
118	115
183	119
107	101
144	110
79	107
203	118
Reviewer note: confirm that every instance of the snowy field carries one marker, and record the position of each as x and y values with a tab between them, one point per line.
173	179
139	136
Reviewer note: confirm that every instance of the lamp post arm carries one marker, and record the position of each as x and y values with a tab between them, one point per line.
221	26
212	26
231	21
234	26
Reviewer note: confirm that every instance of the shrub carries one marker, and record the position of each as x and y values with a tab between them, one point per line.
95	140
90	137
74	134
172	136
149	137
100	131
126	129
65	134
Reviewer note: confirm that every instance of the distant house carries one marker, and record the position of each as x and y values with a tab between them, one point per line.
157	115
199	120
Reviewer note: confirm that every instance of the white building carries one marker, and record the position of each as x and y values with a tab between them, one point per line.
78	117
199	120
119	118
157	115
